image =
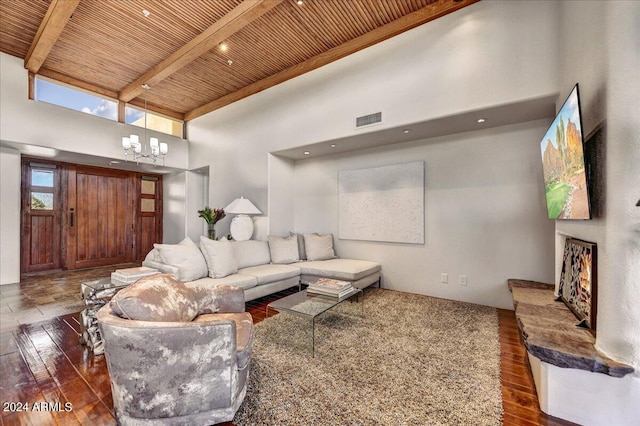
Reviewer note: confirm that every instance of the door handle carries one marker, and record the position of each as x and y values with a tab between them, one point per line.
71	218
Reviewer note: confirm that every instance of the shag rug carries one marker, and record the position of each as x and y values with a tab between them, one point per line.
409	360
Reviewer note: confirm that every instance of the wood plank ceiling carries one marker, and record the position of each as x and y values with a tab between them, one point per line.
110	47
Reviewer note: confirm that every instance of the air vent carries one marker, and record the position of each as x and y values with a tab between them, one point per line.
368	120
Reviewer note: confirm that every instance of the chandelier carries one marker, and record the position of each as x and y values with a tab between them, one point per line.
132	145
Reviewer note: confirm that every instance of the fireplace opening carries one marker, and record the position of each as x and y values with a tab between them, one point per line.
578	281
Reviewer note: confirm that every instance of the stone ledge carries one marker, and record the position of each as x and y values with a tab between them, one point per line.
548	329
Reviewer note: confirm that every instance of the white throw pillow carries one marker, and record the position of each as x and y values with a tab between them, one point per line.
186	256
219	257
250	253
319	247
284	250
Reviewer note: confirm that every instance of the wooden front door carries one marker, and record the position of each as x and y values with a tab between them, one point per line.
42	211
101	215
81	217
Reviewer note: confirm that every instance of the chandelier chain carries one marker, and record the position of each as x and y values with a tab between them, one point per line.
132	145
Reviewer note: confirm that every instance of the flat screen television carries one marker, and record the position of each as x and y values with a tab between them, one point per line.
563	164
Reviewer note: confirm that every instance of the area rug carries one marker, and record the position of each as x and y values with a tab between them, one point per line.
408	360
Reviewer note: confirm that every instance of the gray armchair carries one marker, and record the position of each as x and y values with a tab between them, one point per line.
179	371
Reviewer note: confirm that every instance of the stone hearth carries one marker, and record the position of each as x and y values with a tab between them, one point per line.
549	332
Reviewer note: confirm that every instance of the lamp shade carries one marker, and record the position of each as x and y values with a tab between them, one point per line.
241	206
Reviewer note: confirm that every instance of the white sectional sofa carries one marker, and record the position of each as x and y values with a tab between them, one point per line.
259	267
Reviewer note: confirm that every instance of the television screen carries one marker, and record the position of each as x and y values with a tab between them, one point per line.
563	164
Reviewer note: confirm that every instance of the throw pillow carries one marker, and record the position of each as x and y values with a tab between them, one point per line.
319	247
159	297
186	256
219	257
301	251
250	253
284	250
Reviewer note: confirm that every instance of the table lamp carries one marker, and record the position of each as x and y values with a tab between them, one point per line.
241	226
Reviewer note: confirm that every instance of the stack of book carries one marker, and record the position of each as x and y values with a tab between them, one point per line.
131	275
330	288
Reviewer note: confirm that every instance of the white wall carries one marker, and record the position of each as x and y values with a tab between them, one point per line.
488	54
41	124
451	65
281	195
52	129
589	399
621	320
583	61
600	51
484	213
174	202
9	216
197	197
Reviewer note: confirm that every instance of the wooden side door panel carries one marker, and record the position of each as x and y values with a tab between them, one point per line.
40	225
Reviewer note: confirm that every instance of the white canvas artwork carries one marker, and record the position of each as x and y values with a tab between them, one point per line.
383	203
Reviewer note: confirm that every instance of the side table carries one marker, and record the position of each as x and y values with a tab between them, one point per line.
96	294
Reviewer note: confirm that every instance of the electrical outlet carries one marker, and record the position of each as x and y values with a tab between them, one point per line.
444	278
463	280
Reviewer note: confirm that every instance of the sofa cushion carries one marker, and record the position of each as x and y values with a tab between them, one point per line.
302	254
186	256
342	269
219	257
244	333
266	274
251	253
236	280
284	250
319	247
160	297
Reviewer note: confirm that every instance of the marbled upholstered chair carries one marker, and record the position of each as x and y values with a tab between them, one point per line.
168	364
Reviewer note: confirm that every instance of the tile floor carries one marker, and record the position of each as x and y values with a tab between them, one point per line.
39	297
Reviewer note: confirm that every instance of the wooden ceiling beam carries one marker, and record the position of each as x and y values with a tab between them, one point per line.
238	18
428	13
51	27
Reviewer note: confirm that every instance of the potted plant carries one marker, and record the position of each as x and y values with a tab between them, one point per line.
211	216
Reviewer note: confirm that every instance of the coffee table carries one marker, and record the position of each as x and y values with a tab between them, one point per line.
96	294
311	306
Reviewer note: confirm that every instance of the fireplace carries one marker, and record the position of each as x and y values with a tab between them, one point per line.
578	281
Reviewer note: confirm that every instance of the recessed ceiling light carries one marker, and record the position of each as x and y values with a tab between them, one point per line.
229	61
224	47
405	131
299	2
146	13
306	153
481	120
333	145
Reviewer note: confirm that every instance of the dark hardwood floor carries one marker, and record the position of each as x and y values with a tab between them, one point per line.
42	363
